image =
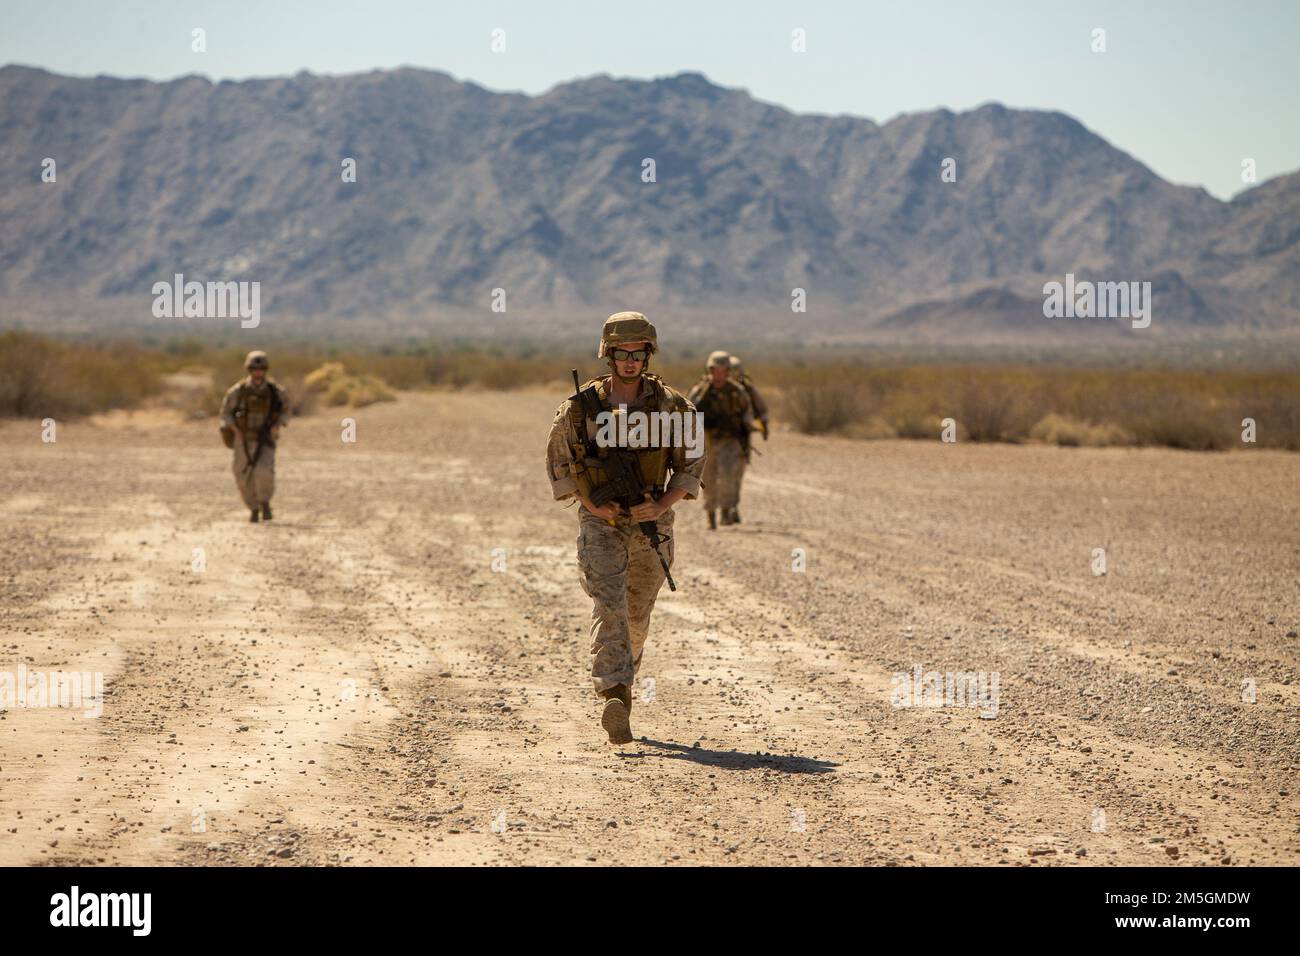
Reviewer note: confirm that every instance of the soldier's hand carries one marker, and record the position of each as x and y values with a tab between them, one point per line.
648	511
275	433
606	512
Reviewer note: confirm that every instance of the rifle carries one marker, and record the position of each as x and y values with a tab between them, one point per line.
264	430
627	483
743	434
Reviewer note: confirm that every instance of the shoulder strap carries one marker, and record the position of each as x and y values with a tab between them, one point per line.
663	394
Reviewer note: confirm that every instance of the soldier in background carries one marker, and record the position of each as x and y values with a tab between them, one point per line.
755	399
728	418
622	568
252	414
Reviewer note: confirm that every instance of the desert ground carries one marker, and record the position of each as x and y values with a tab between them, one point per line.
395	670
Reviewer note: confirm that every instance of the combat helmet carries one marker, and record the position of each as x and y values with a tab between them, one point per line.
257	359
624	327
720	357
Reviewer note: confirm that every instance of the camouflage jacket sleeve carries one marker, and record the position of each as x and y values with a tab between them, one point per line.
760	405
687	470
746	407
228	406
559	456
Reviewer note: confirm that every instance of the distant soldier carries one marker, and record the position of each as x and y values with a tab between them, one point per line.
625	549
252	414
755	399
728	418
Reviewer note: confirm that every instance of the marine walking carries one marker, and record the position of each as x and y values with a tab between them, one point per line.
253	412
626	492
728	421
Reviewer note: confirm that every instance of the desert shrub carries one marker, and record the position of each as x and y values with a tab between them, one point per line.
1056	429
993	409
911	417
1181	421
324	377
444	370
508	373
864	395
818	409
357	391
29	375
1275	406
40	376
335	385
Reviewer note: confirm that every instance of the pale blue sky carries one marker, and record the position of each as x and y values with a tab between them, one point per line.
1189	88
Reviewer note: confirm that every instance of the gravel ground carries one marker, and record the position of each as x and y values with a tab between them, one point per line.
355	683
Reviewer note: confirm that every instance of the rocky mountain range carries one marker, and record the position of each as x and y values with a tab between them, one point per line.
460	191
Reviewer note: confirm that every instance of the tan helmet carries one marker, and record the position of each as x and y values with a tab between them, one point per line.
718	358
735	364
257	359
624	327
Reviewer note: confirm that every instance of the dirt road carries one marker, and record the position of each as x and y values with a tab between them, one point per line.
356	683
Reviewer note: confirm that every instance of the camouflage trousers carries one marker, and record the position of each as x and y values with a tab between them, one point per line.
723	470
255	486
622	575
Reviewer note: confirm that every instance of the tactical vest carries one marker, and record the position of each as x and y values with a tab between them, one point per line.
723	411
589	456
252	406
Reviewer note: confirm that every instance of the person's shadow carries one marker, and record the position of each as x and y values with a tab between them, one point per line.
729	759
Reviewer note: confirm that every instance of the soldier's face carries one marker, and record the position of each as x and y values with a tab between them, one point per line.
257	374
719	373
629	370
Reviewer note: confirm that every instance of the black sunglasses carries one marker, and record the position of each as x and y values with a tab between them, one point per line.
623	355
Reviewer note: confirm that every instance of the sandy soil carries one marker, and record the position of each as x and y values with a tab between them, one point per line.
355	683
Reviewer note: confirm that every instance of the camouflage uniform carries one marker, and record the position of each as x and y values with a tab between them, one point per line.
619	568
755	398
727	416
244	409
